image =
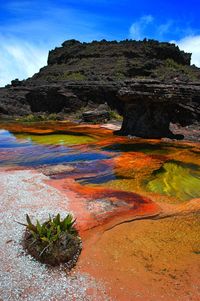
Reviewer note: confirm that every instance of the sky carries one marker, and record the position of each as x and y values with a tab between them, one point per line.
29	29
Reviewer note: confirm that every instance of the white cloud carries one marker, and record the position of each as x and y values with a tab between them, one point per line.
27	37
191	44
164	28
20	59
147	27
137	29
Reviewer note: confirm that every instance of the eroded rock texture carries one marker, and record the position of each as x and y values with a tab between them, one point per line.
150	83
150	106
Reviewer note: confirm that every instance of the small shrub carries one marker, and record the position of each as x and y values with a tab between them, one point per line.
53	242
115	115
172	64
73	76
119	75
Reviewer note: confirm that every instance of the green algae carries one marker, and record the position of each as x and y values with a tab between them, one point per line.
176	179
57	139
174	182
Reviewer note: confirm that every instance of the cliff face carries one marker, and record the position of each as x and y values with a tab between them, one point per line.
150	83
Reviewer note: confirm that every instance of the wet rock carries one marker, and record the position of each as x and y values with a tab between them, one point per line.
56	169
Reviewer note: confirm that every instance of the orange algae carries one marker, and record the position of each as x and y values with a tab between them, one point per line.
54	127
134	171
137	172
147	260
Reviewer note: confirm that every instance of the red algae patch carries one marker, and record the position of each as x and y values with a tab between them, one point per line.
97	206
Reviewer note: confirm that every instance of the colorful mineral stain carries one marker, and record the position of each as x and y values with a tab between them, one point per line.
127	245
97	158
47	152
176	179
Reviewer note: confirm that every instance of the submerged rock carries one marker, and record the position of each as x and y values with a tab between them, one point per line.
56	169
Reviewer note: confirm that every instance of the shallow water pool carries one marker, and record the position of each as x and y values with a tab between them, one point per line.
98	158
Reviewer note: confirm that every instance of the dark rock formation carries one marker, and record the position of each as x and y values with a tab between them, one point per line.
150	83
96	116
150	106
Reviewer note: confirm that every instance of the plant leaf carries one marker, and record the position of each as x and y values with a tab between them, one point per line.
56	220
32	228
48	234
44	239
34	234
28	219
39	228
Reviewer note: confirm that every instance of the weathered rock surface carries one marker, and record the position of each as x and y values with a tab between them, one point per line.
150	83
96	116
150	106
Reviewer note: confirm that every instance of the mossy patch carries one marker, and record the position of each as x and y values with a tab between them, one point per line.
57	139
38	117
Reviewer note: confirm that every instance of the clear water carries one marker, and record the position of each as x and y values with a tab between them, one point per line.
176	172
22	151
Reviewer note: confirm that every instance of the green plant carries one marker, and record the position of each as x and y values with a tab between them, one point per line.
72	76
172	64
115	115
54	241
50	231
119	75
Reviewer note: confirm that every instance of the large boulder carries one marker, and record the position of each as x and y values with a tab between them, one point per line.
151	105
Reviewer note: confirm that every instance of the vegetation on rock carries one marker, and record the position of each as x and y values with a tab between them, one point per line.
53	242
38	117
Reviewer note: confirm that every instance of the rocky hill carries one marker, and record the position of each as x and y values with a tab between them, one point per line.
150	83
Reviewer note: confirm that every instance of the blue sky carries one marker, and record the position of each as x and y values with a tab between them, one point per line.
28	29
